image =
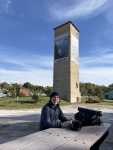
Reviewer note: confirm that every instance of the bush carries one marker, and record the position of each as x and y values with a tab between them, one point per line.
48	90
92	99
35	98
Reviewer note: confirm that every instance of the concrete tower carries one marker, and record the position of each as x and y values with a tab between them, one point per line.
66	62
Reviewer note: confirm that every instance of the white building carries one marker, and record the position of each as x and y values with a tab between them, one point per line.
2	94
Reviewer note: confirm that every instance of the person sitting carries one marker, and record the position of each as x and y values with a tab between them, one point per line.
52	115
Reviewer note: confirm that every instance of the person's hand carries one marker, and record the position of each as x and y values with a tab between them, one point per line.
67	124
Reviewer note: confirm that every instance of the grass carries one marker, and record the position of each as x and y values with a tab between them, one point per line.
25	103
102	104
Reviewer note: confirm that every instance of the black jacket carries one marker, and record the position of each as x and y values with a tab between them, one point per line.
51	117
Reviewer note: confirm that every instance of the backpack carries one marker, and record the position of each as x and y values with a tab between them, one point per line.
88	116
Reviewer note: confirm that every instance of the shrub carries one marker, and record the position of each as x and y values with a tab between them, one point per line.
93	99
35	98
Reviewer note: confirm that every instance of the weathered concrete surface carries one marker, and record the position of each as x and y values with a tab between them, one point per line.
57	139
15	124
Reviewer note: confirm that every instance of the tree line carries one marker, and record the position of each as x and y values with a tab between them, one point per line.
13	89
86	89
89	89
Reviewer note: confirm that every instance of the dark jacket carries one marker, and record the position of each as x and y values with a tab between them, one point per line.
51	117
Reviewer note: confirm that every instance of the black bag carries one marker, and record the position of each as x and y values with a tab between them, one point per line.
76	125
88	116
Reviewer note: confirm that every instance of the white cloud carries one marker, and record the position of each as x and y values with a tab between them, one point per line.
98	75
81	9
106	59
29	62
36	69
36	76
97	68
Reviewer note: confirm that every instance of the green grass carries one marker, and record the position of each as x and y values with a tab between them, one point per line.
102	104
109	103
25	103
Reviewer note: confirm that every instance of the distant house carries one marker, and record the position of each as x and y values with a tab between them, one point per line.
109	95
2	94
25	92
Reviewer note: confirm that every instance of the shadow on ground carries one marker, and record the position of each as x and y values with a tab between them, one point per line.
9	132
13	127
28	117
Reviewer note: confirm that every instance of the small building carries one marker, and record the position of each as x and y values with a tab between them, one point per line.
109	95
25	92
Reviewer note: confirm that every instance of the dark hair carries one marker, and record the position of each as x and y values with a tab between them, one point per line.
53	94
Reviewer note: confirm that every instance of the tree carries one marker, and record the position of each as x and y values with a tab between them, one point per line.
27	85
4	85
35	98
48	90
110	87
89	89
16	88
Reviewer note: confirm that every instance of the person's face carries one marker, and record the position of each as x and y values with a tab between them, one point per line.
55	100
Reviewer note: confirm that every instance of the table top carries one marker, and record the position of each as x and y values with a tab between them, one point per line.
58	139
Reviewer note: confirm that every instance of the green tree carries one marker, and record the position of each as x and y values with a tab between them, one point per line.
27	85
35	98
48	90
4	85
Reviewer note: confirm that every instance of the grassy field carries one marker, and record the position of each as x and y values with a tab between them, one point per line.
24	103
100	105
27	103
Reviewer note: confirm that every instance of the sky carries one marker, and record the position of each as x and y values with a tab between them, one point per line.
27	39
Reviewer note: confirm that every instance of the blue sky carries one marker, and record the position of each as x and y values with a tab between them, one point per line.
26	39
